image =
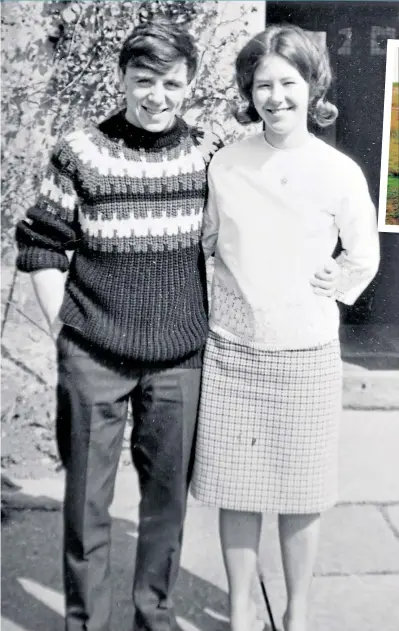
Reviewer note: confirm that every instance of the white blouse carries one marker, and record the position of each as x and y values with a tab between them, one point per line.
272	220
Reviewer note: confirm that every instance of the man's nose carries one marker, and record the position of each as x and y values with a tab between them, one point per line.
157	94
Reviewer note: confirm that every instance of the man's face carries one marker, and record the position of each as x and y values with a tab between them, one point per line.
154	100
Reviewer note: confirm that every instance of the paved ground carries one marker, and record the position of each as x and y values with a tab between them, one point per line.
356	583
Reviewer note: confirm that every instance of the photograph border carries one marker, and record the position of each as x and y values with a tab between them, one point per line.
392	48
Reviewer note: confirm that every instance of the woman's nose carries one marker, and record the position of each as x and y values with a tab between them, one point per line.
277	93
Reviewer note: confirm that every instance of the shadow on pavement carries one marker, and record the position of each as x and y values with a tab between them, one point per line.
32	597
374	347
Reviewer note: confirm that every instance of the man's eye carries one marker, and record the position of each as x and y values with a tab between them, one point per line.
171	85
143	81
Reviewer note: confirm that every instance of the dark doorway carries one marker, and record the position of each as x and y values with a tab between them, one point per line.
355	34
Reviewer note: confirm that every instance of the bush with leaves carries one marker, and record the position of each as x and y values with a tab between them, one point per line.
59	72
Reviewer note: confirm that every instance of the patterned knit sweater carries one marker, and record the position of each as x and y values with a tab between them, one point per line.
130	204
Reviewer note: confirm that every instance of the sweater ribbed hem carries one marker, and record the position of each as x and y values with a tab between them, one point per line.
126	364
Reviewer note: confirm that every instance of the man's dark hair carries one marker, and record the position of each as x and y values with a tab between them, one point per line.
158	45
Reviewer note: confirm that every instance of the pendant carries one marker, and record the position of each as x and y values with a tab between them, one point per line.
283	180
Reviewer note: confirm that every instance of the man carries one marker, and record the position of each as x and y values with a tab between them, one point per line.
127	196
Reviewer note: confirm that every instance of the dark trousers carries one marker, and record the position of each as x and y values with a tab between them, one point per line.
92	410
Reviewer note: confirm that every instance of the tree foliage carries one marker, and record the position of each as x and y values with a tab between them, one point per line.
59	72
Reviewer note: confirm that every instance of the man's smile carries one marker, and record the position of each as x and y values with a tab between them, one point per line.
153	112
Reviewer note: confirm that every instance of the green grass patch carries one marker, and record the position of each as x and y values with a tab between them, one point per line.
392	214
393	167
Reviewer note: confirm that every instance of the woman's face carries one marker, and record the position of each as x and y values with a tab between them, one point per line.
281	98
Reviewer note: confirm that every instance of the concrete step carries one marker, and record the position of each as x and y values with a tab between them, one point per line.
371	366
370	388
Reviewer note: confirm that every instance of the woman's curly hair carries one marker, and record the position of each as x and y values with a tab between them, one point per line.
295	46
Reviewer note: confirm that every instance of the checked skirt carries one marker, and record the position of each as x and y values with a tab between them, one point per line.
268	428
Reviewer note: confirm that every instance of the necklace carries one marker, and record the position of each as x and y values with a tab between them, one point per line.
284	178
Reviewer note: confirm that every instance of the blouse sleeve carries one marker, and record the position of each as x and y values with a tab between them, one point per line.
210	226
357	224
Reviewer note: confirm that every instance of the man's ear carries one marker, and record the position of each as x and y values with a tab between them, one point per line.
121	78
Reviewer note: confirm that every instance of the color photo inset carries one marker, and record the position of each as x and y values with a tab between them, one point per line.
388	215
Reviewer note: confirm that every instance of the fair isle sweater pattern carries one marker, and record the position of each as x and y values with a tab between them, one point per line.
130	200
130	204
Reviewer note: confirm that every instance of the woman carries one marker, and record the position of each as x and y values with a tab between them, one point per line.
271	392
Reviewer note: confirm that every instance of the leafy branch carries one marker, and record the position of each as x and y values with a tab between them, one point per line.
67	77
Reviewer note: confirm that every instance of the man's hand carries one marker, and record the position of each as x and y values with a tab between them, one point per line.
325	280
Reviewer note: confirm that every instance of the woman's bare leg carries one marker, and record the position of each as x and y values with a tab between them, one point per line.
299	536
239	536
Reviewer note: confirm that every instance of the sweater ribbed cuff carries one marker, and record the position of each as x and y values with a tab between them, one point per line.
31	259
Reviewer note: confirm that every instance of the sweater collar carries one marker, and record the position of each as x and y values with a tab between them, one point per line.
119	128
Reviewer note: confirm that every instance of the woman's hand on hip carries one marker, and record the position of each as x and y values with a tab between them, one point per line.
325	280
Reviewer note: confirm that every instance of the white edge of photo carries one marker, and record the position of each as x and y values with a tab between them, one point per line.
391	76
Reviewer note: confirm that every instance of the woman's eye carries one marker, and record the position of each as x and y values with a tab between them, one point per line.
143	82
172	86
